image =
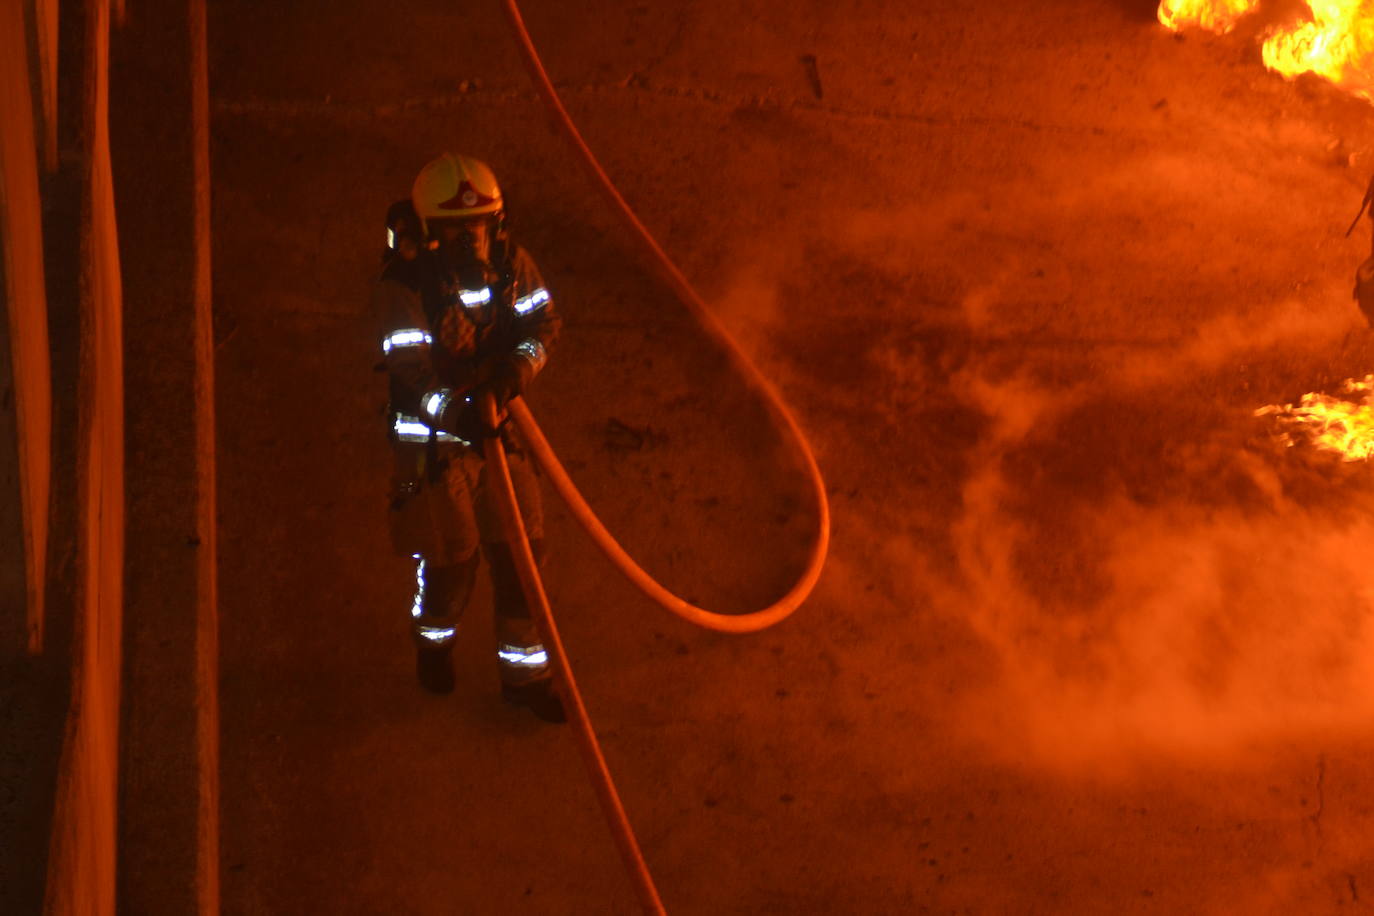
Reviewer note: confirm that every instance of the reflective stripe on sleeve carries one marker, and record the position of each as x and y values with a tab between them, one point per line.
475	297
533	351
413	429
534	300
409	337
436	402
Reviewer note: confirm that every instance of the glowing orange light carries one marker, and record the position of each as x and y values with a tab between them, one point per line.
1332	424
1336	42
1214	15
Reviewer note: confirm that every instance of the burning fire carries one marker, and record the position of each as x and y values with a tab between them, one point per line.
1329	423
1337	42
1216	15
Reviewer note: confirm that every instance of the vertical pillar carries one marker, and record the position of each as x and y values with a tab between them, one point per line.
44	15
168	829
81	867
207	556
21	238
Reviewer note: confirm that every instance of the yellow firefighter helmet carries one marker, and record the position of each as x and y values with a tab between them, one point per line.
455	187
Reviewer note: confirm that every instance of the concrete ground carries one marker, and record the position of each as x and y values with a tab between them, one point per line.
1088	641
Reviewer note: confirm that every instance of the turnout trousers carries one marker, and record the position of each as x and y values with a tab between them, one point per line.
444	519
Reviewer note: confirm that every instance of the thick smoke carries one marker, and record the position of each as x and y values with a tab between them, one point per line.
1049	388
1147	571
1155	573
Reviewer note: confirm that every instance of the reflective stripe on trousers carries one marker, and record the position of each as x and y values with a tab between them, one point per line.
441	596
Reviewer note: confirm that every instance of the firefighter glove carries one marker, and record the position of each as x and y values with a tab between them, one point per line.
510	377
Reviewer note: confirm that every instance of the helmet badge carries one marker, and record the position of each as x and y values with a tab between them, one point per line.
466	197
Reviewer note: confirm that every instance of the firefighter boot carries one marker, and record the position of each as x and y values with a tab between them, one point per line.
521	656
538	697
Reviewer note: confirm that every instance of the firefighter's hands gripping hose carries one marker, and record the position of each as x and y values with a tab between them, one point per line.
509	378
727	623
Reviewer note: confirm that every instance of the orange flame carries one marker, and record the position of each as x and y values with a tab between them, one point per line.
1215	15
1337	42
1329	423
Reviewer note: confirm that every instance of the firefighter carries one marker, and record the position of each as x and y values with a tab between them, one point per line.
463	311
1364	274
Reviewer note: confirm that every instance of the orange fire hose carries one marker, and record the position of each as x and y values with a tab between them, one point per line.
508	511
724	623
728	623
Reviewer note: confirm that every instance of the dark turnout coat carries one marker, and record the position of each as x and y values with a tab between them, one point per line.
437	335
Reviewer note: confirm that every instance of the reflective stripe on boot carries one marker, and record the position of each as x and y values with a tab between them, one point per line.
522	664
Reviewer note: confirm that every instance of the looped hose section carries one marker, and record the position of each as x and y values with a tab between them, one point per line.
668	271
724	623
509	512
